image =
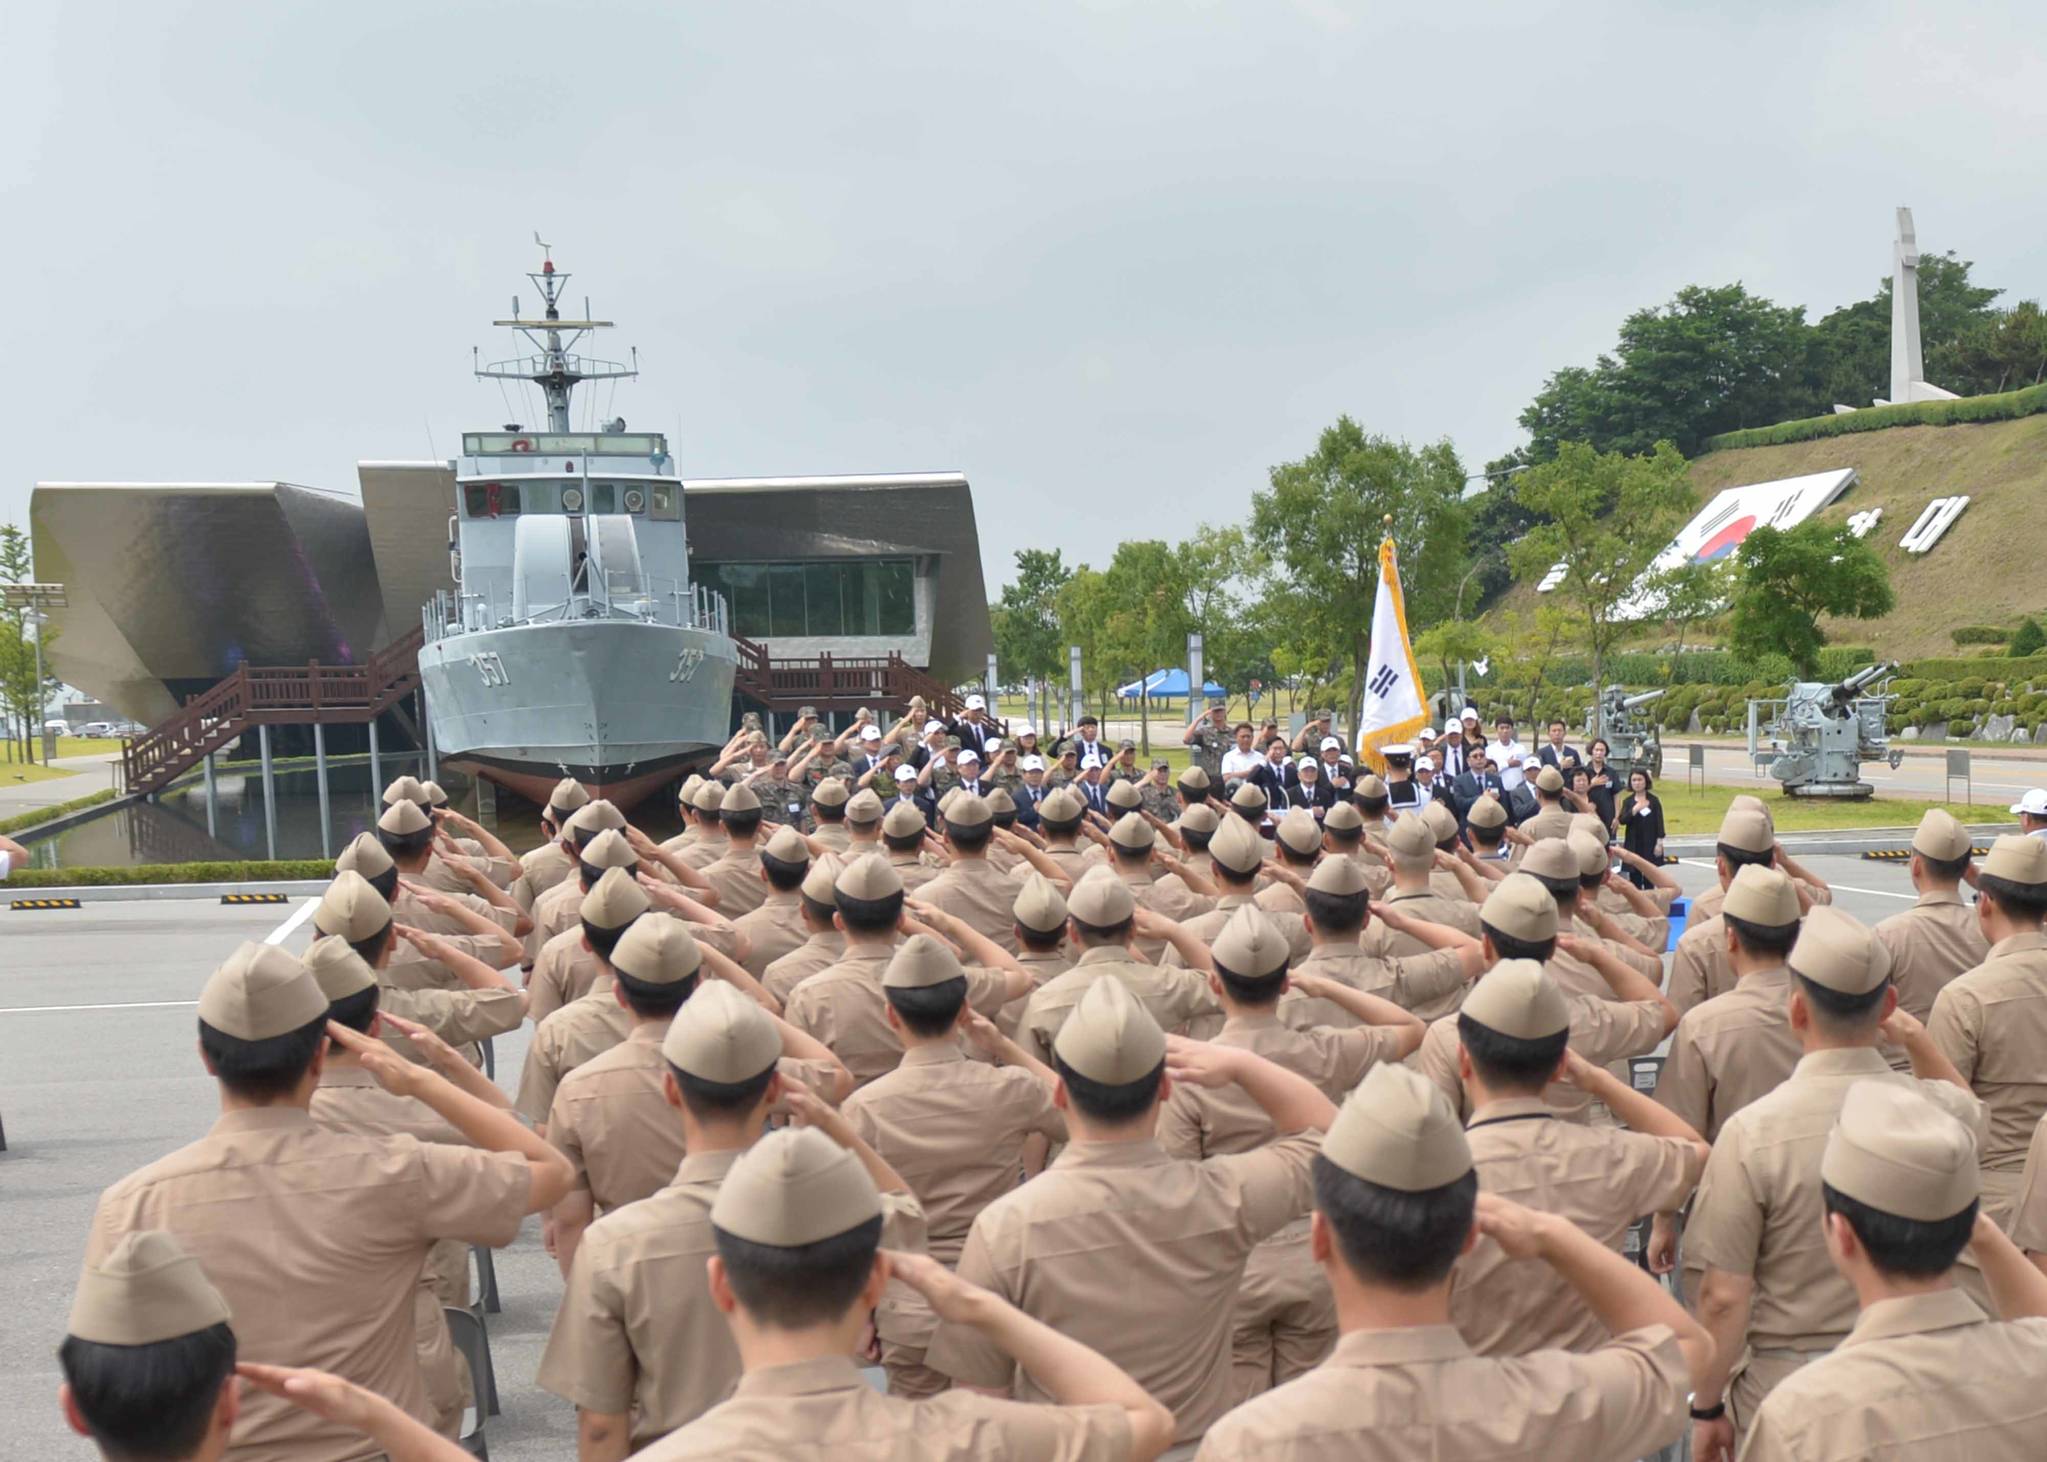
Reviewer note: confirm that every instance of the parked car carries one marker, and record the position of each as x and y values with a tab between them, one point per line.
97	728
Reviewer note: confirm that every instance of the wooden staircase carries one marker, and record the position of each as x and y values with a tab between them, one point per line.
297	695
885	683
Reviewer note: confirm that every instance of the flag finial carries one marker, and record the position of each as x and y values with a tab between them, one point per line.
1389	521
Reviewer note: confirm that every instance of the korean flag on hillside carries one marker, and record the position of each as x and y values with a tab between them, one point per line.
1393	709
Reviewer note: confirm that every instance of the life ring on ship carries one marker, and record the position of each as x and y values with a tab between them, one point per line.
522	444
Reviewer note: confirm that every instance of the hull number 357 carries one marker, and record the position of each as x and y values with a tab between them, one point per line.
685	666
491	668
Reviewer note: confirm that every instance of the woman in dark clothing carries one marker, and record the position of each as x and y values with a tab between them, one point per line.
1606	787
1639	823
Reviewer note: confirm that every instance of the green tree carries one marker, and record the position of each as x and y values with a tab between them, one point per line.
1853	344
2029	639
2008	350
1451	643
1145	620
1686	594
1219	570
1028	642
22	696
1790	577
1606	517
1322	519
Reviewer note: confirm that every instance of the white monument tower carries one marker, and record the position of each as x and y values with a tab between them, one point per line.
1908	363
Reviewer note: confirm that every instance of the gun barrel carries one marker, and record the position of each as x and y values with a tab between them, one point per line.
1863	677
1634	701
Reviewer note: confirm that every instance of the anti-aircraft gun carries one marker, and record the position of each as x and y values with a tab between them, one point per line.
1634	740
1816	738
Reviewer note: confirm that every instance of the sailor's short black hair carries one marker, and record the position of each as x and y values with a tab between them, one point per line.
154	1402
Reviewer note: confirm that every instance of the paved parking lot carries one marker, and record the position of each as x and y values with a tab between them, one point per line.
98	1075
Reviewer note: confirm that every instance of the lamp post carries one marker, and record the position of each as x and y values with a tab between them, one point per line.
36	598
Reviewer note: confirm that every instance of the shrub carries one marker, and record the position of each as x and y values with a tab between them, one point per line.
2002	407
50	814
1979	634
156	873
2029	639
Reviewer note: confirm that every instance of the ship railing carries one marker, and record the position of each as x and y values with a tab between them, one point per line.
628	596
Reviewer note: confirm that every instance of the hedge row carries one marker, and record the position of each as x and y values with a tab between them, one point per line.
2005	406
1979	634
56	810
283	871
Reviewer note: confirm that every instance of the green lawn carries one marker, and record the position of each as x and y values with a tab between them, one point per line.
1699	810
87	745
17	773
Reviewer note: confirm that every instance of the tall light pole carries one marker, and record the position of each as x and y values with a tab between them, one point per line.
36	598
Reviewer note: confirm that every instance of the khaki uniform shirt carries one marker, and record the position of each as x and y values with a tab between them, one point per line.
1208	927
1935	940
1072	859
773	929
580	1031
1929	1377
539	870
821	950
1758	1211
1043	968
459	1017
1992	1023
1459	913
1200	1122
843	1006
561	907
1399	1395
636	1331
1601	1178
707	849
915	870
1167	896
736	878
1137	1254
954	1130
2028	1227
979	894
1699	968
1602	1031
1176	998
1730	1051
1707	905
563	973
316	1239
1553	821
1430	985
834	835
824	1411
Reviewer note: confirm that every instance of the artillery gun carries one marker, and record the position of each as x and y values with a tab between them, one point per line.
1633	741
1815	739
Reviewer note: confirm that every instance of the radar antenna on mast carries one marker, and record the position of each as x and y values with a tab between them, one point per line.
555	368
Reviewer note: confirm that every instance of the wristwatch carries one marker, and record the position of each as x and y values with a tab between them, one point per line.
1710	1413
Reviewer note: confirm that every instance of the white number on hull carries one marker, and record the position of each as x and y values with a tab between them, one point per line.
685	666
491	668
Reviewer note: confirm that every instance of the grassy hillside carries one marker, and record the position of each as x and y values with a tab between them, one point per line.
1989	568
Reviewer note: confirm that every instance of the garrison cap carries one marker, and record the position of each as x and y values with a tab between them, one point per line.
1763	896
903	820
1109	1037
1589	824
351	909
1550	780
868	877
1551	858
710	797
1517	998
1520	908
921	961
1440	821
1899	1153
364	855
338	970
1236	847
787	846
1590	852
831	792
864	806
1487	812
614	900
1195	779
818	884
1299	831
722	1035
2017	859
1123	795
689	787
657	951
1940	836
1840	952
405	789
1371	784
1060	805
1200	818
436	795
795	1187
1249	796
1101	899
1410	839
599	816
402	818
1746	831
1132	832
968	812
1340	876
1344	817
570	794
146	1290
609	849
1749	802
1397	1130
261	992
741	799
1000	803
1249	947
1040	907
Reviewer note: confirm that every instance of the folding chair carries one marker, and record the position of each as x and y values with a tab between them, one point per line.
486	1280
490	1060
466	1331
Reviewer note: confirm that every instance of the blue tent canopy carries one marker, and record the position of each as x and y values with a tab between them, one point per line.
1163	685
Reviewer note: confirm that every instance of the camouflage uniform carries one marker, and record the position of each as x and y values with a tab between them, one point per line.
1209	744
1056	775
1120	773
1160	802
777	794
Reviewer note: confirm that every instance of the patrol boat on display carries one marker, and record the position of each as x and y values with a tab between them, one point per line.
575	643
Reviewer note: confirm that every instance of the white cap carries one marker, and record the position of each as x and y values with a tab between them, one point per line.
995	745
1032	764
1026	729
975	703
870	733
934	728
1305	760
1329	741
2033	804
1470	714
1425	763
967	753
1427	731
1398	748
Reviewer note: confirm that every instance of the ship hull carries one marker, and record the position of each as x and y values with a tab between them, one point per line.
619	705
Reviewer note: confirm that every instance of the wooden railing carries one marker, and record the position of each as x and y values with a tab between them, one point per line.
831	683
292	695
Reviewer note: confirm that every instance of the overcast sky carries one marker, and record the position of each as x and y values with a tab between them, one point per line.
1113	260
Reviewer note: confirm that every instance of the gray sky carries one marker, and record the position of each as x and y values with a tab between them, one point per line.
1113	260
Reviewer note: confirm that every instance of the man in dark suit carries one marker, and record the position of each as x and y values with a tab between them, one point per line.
1311	789
973	728
1028	793
1092	789
1555	754
1275	777
1477	779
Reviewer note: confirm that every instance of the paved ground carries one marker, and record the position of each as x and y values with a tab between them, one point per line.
98	1075
90	776
2000	777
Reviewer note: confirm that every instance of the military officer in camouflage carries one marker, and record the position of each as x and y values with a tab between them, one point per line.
1210	737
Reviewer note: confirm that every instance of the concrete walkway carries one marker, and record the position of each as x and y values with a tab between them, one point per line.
90	775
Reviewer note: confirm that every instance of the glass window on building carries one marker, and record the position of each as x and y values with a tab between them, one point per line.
825	598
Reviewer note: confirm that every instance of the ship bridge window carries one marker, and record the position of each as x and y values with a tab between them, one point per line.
603	497
491	499
828	597
663	502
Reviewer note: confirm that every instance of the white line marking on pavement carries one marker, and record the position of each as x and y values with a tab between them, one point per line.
1882	893
128	1005
283	931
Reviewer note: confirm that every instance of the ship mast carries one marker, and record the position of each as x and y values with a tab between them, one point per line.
556	368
